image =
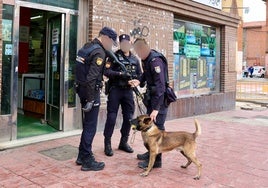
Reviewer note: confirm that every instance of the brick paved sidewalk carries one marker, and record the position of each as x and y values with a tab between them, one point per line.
233	149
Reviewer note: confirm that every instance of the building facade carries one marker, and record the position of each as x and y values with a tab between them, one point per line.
235	7
255	43
40	40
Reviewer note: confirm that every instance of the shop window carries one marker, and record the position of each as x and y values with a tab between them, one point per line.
7	44
72	57
196	66
70	4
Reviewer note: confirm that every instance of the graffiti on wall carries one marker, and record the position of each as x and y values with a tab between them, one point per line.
139	30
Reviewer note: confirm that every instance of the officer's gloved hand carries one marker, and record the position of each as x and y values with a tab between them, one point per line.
125	75
88	106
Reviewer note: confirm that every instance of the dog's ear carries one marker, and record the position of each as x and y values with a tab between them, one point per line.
147	120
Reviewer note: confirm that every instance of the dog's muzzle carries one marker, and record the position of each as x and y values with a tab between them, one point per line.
134	124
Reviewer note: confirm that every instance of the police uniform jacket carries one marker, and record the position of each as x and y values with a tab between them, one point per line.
154	70
89	74
112	70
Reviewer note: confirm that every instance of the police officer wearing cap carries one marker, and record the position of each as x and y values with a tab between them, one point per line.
154	70
120	93
89	71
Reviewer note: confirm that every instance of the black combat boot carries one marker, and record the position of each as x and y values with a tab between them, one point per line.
124	145
144	156
90	164
79	159
157	163
108	147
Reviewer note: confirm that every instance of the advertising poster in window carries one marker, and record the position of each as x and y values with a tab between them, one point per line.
211	72
194	56
181	74
6	30
202	72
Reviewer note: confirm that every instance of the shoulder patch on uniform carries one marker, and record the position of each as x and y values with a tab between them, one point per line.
99	61
157	69
108	65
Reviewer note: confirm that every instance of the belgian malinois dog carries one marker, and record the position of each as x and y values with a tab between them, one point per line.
157	141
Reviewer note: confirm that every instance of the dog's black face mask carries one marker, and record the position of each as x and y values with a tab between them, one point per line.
135	124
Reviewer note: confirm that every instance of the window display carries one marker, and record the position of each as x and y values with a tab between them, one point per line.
195	60
34	93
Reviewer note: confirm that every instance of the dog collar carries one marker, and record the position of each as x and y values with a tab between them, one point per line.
145	130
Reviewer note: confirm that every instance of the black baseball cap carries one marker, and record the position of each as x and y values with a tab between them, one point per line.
124	37
110	33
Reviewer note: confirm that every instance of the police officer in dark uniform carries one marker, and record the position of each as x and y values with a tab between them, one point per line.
120	93
154	70
90	62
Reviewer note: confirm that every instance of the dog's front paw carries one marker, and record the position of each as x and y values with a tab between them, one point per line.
144	174
197	178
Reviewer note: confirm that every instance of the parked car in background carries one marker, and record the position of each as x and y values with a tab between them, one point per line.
259	71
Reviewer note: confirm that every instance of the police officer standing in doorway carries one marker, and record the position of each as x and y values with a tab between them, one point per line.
154	69
90	62
120	93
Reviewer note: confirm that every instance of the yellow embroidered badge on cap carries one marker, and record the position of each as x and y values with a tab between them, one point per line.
157	69
108	65
99	61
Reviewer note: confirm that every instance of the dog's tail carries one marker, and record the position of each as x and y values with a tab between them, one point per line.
197	128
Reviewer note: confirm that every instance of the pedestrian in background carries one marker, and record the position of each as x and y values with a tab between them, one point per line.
250	70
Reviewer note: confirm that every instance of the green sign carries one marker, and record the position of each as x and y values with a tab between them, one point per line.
192	51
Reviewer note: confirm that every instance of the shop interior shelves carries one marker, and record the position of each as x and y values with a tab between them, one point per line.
34	93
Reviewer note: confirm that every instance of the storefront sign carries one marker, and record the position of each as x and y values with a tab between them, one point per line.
212	3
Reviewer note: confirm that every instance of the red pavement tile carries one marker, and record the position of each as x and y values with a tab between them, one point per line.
4	160
15	181
62	185
46	180
31	172
4	174
261	173
232	149
245	180
17	167
58	170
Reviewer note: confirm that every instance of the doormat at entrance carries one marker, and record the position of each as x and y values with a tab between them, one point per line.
62	153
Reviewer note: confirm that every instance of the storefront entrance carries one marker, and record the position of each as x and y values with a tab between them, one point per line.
44	42
40	58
